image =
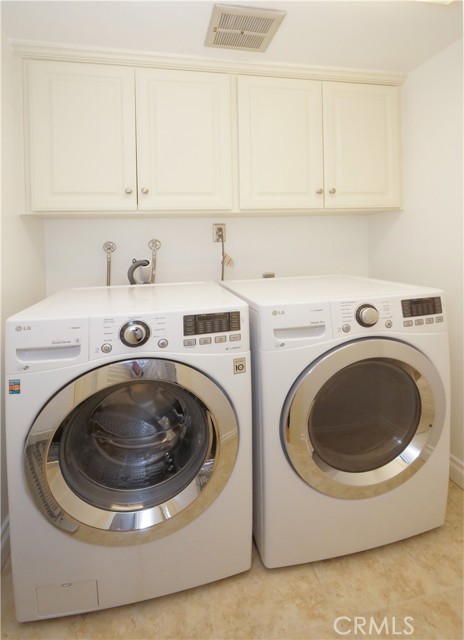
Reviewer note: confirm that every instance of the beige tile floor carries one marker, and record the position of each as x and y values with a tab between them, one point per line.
411	589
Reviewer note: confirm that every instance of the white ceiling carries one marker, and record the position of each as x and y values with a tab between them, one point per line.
388	35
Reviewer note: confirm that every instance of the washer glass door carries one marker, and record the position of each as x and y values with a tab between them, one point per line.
363	418
124	452
138	443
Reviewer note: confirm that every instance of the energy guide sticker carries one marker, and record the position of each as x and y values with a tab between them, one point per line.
14	386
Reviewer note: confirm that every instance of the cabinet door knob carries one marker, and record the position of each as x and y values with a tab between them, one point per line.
320	192
145	190
128	191
333	190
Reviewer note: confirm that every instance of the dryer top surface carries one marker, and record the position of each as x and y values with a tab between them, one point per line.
304	289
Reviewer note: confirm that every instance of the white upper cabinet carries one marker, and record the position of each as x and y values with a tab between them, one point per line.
115	138
362	148
81	134
183	140
280	143
309	144
100	141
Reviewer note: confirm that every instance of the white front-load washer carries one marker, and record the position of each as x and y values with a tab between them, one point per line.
128	418
351	414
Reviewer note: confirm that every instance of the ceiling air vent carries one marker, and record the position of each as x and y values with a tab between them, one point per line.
242	28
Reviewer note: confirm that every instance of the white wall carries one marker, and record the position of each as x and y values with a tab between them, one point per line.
284	245
23	261
424	243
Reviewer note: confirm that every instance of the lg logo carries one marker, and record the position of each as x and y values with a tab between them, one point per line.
20	327
278	312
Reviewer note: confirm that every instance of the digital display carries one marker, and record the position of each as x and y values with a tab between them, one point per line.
421	307
195	325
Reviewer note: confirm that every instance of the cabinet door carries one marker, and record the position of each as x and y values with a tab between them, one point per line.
362	146
81	136
183	140
280	143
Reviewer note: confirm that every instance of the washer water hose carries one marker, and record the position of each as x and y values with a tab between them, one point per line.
135	265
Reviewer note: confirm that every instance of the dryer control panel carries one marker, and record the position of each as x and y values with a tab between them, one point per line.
358	316
421	307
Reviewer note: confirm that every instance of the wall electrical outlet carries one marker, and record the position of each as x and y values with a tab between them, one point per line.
219	232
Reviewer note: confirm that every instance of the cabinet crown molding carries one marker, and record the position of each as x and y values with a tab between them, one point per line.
67	53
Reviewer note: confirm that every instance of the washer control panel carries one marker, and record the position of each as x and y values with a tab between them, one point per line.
215	332
384	314
208	328
211	323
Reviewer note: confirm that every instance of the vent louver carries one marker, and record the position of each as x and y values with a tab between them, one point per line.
242	27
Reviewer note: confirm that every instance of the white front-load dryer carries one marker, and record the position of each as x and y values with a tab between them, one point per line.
351	414
128	418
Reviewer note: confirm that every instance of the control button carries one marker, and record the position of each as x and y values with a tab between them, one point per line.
134	333
439	319
407	323
162	343
234	337
429	321
220	339
190	342
205	341
388	324
419	321
367	315
106	348
346	328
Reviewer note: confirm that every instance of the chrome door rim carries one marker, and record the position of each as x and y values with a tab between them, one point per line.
64	509
300	401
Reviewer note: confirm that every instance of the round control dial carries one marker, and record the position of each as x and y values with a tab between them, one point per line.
134	333
367	315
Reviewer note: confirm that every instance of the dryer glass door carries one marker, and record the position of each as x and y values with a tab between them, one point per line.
125	452
365	415
363	418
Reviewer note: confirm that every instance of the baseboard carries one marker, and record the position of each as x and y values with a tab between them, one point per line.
457	471
5	540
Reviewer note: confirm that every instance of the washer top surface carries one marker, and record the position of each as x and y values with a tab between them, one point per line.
96	301
80	325
304	289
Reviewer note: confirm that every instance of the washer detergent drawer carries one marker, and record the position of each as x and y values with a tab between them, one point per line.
45	344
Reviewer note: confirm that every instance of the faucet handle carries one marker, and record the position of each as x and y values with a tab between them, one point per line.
154	245
109	247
